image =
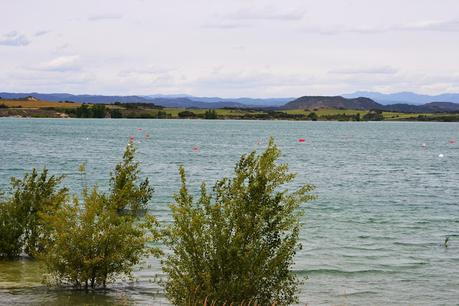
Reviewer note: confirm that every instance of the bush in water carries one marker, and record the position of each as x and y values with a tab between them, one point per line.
22	216
237	244
102	239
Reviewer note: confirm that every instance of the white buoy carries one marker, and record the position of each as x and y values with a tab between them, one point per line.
441	155
423	145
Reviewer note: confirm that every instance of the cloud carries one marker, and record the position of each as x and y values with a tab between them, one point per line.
224	25
14	39
41	33
266	13
428	25
105	17
62	63
365	70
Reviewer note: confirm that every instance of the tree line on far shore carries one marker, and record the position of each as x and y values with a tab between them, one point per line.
234	243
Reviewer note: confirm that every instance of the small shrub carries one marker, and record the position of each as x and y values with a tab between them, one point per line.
238	243
186	114
102	239
22	216
11	229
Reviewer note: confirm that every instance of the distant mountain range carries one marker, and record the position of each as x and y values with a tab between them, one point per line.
242	101
331	102
185	101
363	103
400	102
404	97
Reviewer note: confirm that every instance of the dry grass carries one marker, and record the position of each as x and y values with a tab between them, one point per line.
37	104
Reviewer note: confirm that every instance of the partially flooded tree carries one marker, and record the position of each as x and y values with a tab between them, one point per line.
22	216
127	194
237	244
11	229
96	241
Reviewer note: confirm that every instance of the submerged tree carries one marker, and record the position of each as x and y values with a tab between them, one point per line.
101	239
22	216
238	244
11	229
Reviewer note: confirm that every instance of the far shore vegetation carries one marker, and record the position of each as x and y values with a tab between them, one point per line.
66	109
233	245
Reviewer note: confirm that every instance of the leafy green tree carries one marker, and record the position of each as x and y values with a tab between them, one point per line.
101	239
237	244
116	113
34	197
186	114
210	114
98	111
127	194
11	229
312	116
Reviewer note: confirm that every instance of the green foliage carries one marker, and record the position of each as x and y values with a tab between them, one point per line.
312	116
22	223
186	114
237	244
127	195
86	111
102	239
116	113
210	114
375	115
93	245
11	229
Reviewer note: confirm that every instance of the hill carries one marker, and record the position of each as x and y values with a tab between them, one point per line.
404	97
311	102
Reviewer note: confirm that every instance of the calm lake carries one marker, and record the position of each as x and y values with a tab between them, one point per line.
375	236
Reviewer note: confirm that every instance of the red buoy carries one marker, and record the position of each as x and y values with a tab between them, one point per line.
301	140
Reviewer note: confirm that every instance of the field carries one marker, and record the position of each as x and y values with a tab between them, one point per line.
37	108
37	104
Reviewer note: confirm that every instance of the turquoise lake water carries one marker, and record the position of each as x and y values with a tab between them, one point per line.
373	237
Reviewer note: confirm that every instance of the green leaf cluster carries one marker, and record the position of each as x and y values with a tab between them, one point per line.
105	236
236	244
22	224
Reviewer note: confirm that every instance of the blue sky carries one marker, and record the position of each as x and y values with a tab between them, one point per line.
229	48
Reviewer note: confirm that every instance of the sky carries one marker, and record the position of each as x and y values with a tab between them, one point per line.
229	48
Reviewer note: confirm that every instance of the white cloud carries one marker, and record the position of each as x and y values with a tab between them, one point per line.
365	70
62	63
105	17
41	33
429	25
266	13
14	39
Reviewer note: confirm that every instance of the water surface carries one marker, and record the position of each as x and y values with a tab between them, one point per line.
374	237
